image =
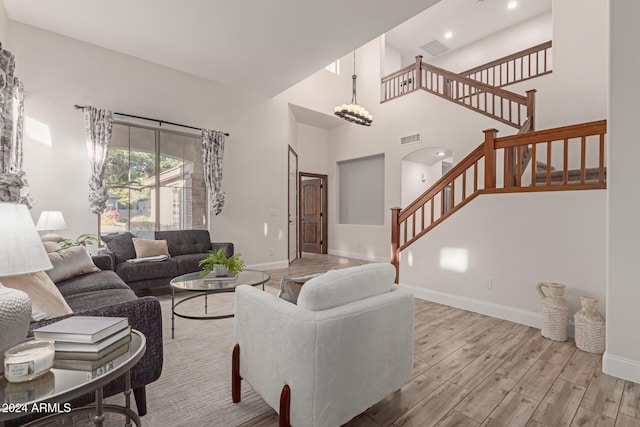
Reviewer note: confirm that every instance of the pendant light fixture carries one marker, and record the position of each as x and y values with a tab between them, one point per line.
353	112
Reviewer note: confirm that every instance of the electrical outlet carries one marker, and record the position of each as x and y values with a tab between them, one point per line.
487	283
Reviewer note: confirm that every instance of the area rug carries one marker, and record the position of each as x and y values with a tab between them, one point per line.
195	387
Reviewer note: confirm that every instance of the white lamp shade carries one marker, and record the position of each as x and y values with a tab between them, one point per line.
50	221
21	249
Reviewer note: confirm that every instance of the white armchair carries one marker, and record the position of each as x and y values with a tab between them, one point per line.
345	346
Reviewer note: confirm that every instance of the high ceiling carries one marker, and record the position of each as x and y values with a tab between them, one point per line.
466	20
264	46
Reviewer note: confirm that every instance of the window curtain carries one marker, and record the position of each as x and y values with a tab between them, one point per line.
212	154
98	127
13	184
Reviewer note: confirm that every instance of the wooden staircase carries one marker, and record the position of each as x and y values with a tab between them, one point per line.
479	89
498	166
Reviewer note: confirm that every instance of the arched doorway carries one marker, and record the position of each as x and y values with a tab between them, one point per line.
421	169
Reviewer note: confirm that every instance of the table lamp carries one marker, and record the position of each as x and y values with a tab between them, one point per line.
51	221
21	252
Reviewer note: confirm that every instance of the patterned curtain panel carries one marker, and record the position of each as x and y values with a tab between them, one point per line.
98	126
212	154
13	184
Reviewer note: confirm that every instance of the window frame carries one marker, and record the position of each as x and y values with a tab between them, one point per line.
157	153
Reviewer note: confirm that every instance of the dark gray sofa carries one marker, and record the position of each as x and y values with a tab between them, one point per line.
103	293
186	247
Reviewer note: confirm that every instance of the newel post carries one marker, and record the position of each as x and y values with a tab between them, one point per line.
490	158
418	72
531	108
395	241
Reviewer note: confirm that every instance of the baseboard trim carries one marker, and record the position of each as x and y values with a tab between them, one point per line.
356	255
621	367
505	312
276	265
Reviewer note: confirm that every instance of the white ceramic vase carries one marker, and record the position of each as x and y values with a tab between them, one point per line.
590	327
15	315
555	311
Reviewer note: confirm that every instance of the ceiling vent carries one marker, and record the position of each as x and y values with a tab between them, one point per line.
411	139
434	48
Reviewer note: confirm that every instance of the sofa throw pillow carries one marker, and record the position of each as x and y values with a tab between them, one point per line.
120	245
51	246
149	248
70	262
290	287
46	299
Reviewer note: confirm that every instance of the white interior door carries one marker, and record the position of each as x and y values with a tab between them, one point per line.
293	205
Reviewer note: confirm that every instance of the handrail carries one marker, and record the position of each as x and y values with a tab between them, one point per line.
477	174
504	71
507	107
500	104
445	180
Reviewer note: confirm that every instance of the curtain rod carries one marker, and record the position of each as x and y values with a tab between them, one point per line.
81	107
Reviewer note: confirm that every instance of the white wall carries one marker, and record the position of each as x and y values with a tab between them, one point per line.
622	357
59	72
4	25
312	149
517	240
417	178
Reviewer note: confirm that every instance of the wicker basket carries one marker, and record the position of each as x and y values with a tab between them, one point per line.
555	311
590	327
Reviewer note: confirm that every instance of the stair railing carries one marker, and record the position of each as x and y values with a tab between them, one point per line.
500	104
524	65
486	170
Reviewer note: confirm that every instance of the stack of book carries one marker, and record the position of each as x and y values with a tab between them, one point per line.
86	342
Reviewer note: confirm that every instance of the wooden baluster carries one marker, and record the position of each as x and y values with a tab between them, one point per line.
413	225
583	159
431	203
519	166
422	221
534	166
565	163
490	158
509	167
464	185
404	231
531	109
601	160
475	177
548	162
395	241
451	197
441	203
418	71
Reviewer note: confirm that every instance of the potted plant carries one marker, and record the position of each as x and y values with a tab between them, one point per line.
218	263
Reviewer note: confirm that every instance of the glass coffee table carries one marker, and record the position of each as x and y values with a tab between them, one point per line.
203	286
49	394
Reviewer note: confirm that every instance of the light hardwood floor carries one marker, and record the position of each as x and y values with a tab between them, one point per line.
475	370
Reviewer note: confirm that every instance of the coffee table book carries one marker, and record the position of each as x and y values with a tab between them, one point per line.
91	365
93	356
82	329
91	347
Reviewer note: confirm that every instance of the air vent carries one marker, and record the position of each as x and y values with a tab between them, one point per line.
434	48
411	139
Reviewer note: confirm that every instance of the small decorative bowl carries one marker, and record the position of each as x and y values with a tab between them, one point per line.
28	360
